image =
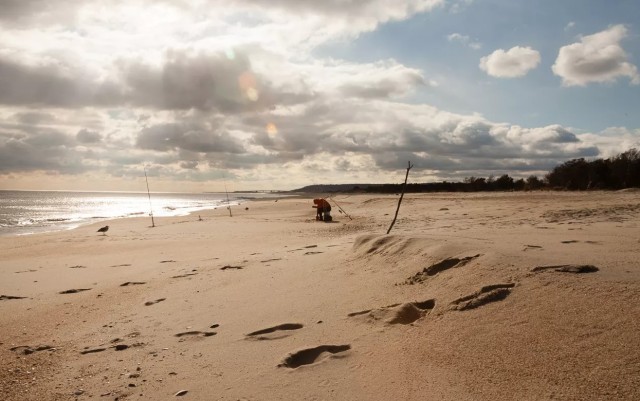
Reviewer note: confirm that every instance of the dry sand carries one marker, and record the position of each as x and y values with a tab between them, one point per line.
471	297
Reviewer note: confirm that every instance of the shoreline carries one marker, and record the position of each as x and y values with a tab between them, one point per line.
67	224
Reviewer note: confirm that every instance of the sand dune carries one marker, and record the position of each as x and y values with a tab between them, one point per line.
496	296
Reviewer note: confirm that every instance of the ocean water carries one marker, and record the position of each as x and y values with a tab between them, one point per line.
30	212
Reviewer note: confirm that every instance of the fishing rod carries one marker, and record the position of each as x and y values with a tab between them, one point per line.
224	179
153	224
340	208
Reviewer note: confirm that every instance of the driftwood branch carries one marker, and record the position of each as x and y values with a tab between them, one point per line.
409	167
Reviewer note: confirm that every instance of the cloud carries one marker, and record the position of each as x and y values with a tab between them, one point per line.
51	85
464	39
200	81
515	62
457	6
190	88
194	137
21	12
377	80
596	58
570	25
34	118
182	80
50	151
86	136
349	138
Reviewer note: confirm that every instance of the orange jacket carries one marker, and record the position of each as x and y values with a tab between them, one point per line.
321	203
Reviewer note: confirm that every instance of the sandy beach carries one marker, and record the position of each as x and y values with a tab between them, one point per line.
493	296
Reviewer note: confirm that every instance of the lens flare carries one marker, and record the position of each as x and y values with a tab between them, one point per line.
252	94
272	129
247	84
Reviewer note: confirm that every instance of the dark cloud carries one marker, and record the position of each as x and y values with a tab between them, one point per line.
48	85
48	151
34	118
182	82
18	13
189	165
86	136
562	135
203	82
192	137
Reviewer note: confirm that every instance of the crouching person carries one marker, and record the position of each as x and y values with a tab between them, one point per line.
323	209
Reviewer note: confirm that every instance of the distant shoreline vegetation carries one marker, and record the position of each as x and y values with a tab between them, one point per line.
615	173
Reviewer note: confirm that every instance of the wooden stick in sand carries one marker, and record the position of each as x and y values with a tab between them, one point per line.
401	196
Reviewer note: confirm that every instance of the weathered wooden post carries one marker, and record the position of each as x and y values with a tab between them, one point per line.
409	167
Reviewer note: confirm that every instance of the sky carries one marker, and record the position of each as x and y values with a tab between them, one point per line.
263	95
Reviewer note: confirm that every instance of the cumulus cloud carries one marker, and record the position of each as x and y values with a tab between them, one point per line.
201	81
465	40
596	58
515	62
341	134
378	80
182	80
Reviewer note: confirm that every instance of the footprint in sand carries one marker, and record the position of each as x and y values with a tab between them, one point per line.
571	241
7	297
184	275
270	260
226	267
405	313
486	294
77	267
122	347
195	333
167	261
132	283
274	333
446	264
149	303
309	356
27	350
74	290
312	253
567	268
26	271
92	351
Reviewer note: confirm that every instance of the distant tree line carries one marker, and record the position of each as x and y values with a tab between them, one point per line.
470	184
618	172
